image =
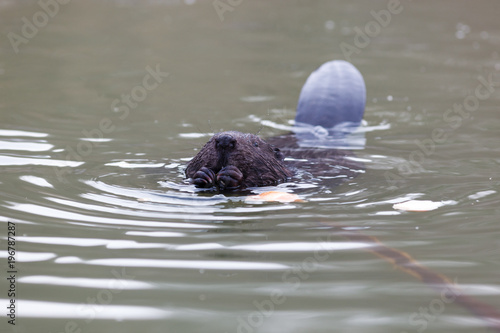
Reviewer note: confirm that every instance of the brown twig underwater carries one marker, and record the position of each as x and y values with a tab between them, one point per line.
449	291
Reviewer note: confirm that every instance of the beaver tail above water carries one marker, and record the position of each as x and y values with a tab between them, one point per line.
334	94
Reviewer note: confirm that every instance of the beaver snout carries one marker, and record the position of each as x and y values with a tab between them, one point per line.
225	142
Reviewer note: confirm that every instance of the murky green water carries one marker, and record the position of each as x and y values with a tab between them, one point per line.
99	95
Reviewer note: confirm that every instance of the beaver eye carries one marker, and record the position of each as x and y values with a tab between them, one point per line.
256	144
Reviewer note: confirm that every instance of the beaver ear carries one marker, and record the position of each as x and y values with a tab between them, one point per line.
278	154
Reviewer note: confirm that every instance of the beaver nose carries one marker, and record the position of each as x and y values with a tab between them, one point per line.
225	141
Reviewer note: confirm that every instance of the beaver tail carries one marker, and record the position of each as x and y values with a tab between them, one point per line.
333	94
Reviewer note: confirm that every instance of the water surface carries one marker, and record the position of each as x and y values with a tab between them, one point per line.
109	236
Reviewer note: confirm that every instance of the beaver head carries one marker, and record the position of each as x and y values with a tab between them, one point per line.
232	160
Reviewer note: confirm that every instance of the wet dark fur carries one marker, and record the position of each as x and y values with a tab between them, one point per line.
234	160
332	166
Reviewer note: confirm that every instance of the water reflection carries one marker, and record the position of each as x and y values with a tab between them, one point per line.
84	282
38	309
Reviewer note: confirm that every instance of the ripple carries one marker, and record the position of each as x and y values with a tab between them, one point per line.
25	146
481	194
41	309
279	247
180	264
155	233
4	132
13	160
88	242
258	98
23	256
66	215
300	246
38	181
127	165
79	282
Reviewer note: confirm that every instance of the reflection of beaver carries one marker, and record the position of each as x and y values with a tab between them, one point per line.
334	94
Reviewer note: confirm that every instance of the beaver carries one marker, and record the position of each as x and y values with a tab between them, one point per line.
334	95
233	160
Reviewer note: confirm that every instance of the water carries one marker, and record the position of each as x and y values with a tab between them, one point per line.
109	240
